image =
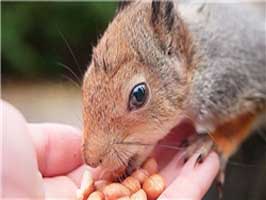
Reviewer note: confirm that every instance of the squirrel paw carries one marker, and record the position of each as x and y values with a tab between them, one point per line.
203	145
220	176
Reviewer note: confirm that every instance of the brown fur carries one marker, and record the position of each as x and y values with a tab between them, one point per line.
133	50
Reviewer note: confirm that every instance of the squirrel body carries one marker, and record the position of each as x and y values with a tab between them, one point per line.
229	85
233	61
205	62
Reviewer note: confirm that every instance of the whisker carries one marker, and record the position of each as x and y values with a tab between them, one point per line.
120	159
133	143
127	155
72	72
70	50
124	155
127	152
171	147
71	80
175	147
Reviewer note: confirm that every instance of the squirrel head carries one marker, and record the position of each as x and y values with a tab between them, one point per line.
135	85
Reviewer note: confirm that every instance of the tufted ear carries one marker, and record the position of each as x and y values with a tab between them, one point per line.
165	21
121	5
163	13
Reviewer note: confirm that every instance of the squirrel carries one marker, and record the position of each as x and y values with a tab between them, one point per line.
160	62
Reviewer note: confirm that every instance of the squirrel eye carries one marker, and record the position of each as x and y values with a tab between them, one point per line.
138	96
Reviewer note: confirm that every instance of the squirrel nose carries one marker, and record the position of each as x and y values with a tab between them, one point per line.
93	162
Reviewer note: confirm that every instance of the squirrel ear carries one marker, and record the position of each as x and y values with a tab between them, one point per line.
162	13
121	5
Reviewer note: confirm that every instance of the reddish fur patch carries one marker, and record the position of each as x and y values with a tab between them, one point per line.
229	135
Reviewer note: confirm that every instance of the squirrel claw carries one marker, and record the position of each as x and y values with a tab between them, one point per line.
220	183
198	144
220	177
185	159
199	159
203	145
219	187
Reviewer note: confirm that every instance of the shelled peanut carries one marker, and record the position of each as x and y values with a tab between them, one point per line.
143	184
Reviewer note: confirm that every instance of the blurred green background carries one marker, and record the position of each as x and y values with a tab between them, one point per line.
35	36
40	38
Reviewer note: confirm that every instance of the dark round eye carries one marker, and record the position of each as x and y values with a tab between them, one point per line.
138	96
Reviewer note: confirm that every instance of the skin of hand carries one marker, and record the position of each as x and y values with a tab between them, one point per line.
189	181
44	161
39	160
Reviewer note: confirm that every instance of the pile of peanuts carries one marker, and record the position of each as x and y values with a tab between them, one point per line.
143	184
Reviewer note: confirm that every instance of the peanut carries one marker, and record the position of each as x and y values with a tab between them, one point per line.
96	196
140	175
115	190
151	166
132	184
86	186
79	194
154	186
124	198
130	189
100	184
139	195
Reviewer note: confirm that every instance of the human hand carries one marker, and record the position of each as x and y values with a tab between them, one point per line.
39	160
192	181
44	160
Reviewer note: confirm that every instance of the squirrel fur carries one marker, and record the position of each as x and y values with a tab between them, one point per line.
201	61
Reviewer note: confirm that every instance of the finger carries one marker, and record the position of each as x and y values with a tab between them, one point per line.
172	170
20	175
193	182
58	148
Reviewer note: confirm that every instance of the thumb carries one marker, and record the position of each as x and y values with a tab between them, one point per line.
58	148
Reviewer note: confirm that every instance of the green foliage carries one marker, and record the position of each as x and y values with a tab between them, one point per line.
32	44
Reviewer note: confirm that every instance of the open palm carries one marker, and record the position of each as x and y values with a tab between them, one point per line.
44	161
